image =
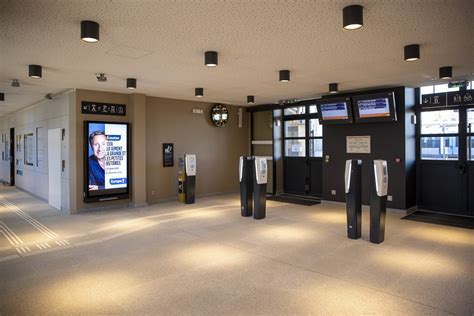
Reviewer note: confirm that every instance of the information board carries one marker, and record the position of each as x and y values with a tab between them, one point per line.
379	107
358	145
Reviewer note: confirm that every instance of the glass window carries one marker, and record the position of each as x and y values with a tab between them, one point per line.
313	109
426	90
295	128
470	148
315	130
295	110
316	147
295	148
439	148
444	88
470	120
440	122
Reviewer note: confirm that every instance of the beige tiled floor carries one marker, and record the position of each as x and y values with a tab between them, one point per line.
206	259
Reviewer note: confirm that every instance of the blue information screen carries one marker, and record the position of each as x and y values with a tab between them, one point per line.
374	108
334	111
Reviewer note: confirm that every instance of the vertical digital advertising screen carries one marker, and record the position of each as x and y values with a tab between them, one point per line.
106	161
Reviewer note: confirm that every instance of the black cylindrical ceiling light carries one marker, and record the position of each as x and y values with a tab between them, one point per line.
333	88
446	72
2	96
199	92
35	71
131	83
352	17
251	99
210	59
284	76
89	31
412	52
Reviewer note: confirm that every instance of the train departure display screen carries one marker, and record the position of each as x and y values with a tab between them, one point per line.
379	107
334	111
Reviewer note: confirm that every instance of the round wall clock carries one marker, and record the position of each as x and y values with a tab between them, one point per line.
219	115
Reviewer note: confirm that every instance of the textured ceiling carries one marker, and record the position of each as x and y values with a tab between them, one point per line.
162	44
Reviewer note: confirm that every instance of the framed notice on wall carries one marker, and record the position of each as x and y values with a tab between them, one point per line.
358	145
168	154
29	151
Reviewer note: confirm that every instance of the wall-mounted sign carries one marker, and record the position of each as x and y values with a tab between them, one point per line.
358	144
168	155
435	99
462	97
103	108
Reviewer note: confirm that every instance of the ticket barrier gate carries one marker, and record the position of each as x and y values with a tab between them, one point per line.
378	200
353	189
246	185
253	186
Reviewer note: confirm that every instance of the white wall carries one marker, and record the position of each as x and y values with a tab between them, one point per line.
37	119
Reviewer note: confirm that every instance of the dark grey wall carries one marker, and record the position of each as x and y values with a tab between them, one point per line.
389	141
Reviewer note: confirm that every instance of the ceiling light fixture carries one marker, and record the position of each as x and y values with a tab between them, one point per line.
2	96
352	17
446	72
284	76
199	92
15	83
101	77
412	52
251	99
89	31
131	83
210	59
35	71
333	88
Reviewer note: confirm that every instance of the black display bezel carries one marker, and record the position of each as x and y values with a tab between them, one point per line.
323	101
110	194
376	119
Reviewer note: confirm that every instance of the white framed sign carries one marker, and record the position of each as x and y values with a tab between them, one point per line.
358	145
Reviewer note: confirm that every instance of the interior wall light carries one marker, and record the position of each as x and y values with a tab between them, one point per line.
199	92
446	72
412	52
284	76
333	88
353	17
89	31
210	59
35	71
131	83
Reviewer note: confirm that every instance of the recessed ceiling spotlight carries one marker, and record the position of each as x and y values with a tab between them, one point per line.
412	52
101	77
35	71
446	72
352	17
210	59
2	96
333	88
89	31
284	76
199	92
251	99
131	83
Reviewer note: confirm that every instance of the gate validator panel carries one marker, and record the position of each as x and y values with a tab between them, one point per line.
381	177
190	164
261	170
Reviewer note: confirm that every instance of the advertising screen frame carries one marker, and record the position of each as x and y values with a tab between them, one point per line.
347	100
109	194
375	119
